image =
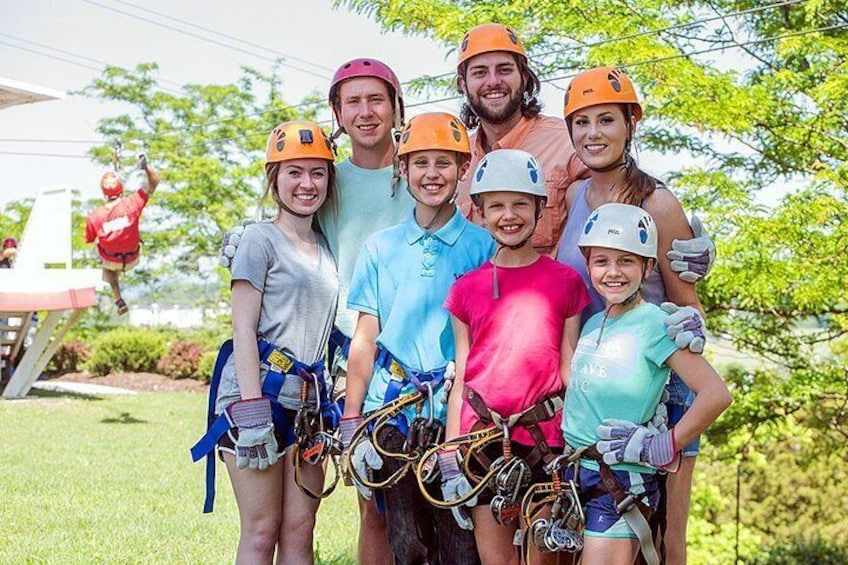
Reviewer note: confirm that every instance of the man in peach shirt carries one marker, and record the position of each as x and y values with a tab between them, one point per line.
501	102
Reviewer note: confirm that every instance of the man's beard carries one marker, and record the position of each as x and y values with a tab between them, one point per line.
495	116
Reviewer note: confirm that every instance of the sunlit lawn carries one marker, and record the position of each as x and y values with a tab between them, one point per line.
110	480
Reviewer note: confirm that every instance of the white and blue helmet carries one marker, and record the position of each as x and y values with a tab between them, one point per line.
509	170
622	227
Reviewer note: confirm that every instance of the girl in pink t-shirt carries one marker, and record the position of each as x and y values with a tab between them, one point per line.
516	321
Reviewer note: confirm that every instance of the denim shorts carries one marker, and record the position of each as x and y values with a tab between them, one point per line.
680	399
602	517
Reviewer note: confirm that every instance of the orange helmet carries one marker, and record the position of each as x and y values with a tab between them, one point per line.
434	130
298	140
487	38
111	184
601	85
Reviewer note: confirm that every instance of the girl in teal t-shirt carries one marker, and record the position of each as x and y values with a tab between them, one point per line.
616	379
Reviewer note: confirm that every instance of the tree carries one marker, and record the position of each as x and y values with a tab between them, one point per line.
207	144
776	116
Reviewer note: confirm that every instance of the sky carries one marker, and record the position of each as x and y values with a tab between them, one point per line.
62	44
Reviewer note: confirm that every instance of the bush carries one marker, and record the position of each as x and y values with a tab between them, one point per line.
207	365
70	356
817	551
182	361
126	350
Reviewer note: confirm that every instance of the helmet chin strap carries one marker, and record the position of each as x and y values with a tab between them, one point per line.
501	246
450	200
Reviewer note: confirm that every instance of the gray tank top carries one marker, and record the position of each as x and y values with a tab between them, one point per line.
569	254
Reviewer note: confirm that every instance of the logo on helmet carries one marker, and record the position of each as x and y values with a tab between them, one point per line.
482	169
591	223
613	78
281	140
533	169
643	229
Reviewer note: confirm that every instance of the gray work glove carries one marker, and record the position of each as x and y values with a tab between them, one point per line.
455	485
256	447
142	162
230	243
365	460
347	427
693	258
625	442
659	420
685	327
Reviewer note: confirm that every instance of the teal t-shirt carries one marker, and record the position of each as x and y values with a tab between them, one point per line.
363	205
403	276
622	378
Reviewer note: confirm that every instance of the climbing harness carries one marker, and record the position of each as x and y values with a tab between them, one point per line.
280	364
508	475
420	434
562	529
316	436
364	432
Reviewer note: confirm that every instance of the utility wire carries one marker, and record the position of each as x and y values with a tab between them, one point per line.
99	69
562	77
203	38
641	34
228	36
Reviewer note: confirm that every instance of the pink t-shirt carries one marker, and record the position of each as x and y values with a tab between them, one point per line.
516	340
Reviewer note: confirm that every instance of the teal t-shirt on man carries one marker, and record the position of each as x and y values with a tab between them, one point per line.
622	378
363	204
403	276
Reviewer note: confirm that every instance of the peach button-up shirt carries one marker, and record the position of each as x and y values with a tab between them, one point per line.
547	139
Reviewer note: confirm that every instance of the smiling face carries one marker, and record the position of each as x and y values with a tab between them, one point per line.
433	175
509	216
366	111
302	185
493	86
600	134
616	274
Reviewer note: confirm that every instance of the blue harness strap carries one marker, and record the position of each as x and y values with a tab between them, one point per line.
401	376
339	343
215	427
279	365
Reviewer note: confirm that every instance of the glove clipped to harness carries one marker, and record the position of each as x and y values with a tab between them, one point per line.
256	447
685	327
230	243
625	442
693	258
454	486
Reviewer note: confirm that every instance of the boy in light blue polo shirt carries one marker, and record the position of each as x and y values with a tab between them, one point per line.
400	282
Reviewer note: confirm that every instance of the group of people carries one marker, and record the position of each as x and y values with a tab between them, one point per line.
503	309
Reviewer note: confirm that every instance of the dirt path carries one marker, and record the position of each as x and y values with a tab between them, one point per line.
140	382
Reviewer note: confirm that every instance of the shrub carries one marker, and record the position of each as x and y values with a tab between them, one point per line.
70	356
816	551
206	366
182	361
126	350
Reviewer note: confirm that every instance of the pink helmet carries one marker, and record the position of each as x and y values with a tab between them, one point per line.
369	68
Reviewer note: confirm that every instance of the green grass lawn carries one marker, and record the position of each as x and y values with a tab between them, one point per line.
110	480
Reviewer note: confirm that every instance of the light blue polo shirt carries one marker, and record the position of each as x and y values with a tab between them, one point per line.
403	276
